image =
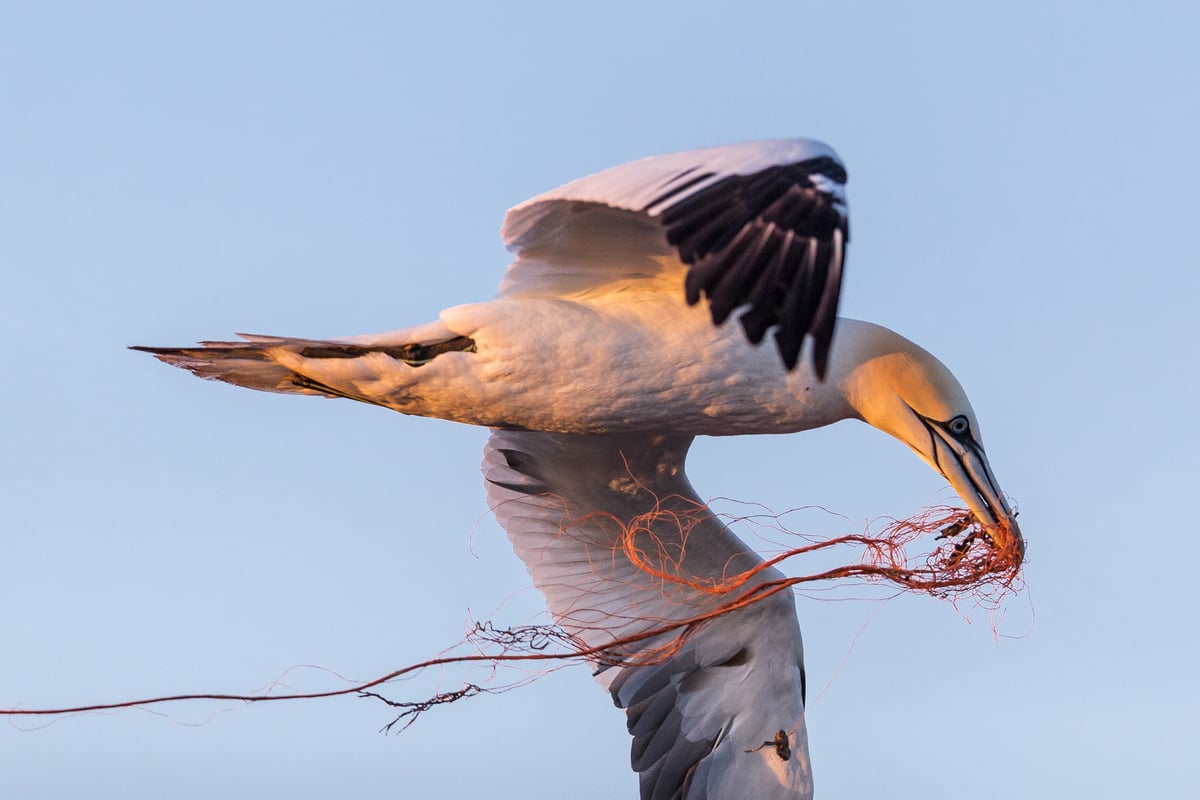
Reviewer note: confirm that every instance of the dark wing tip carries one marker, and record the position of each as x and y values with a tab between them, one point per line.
774	241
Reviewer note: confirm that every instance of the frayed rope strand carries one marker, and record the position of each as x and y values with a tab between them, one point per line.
969	559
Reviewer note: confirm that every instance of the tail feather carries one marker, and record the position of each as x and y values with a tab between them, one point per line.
246	364
278	364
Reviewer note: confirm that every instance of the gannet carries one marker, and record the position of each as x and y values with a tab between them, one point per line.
609	346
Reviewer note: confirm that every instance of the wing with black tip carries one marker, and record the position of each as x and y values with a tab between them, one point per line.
760	227
621	547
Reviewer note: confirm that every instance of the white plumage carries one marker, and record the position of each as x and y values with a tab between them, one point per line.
596	365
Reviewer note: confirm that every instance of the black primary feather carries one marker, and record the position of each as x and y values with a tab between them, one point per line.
773	242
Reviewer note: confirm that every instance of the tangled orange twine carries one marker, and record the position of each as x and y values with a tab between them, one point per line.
968	559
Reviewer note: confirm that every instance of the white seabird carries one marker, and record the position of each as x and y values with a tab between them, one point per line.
596	364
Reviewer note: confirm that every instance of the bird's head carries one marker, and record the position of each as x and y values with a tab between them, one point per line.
901	389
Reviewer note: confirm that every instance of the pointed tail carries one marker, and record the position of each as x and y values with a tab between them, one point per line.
278	364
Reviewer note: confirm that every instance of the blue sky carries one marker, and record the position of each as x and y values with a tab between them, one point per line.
1023	186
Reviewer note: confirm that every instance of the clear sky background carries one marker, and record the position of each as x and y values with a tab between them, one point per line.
1024	191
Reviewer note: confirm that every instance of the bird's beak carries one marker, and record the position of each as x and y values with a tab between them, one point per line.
969	473
965	465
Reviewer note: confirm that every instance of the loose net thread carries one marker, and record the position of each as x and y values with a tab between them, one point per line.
972	559
969	560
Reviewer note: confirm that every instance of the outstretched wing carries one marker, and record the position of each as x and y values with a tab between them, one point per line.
761	226
622	548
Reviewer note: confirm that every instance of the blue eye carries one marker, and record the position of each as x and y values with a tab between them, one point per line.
958	426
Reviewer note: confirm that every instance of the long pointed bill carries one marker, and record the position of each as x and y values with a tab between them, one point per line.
965	465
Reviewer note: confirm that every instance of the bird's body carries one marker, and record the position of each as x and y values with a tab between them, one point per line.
595	366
